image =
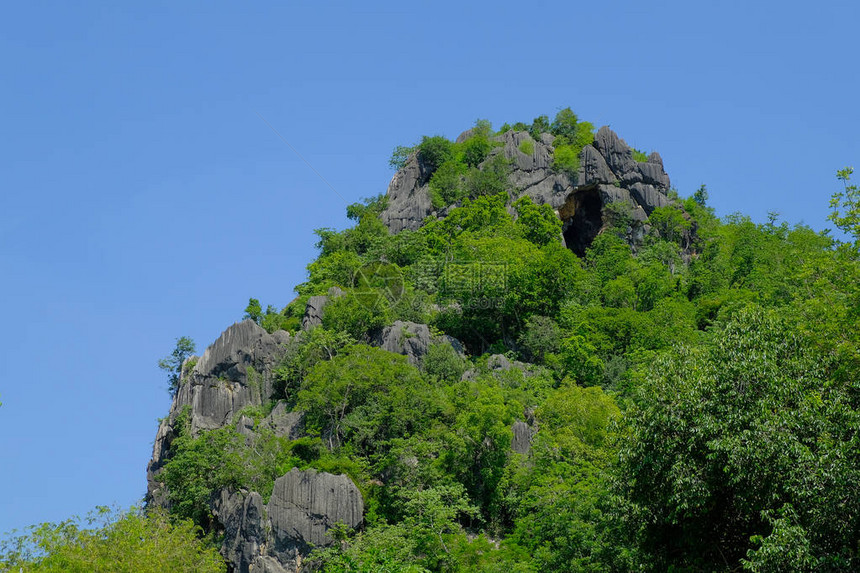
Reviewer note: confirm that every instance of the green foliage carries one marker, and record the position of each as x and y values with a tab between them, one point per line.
670	222
845	205
492	179
526	147
723	436
434	151
303	352
571	136
371	206
444	362
541	337
172	364
538	126
475	149
566	160
701	195
564	124
639	156
271	319
694	398
446	185
121	542
358	314
399	156
364	395
537	223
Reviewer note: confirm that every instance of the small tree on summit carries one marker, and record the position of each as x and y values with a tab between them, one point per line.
172	364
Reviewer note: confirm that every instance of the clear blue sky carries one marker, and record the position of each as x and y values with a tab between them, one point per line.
143	198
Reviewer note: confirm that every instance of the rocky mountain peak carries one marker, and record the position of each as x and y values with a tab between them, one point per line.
608	173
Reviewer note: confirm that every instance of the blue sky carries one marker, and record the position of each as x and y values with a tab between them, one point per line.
142	198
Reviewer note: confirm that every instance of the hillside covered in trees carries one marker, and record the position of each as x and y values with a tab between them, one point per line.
531	354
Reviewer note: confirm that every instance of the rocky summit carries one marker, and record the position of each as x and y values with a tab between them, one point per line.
608	173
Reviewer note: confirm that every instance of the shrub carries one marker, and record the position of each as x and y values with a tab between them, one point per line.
475	150
399	156
434	151
446	184
526	147
566	160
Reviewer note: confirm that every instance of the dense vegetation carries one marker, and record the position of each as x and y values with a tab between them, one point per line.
111	542
697	401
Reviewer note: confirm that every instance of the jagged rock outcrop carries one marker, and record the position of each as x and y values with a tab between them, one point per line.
608	174
314	309
412	340
234	372
273	537
498	364
522	439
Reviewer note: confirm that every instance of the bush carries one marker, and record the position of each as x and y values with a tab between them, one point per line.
446	184
475	150
434	151
566	160
526	147
399	156
129	542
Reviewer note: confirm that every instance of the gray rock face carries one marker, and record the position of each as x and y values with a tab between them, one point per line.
234	372
408	197
243	517
314	309
305	505
314	312
412	340
614	150
407	338
274	537
608	173
522	440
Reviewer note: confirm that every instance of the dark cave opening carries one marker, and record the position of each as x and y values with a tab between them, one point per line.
585	223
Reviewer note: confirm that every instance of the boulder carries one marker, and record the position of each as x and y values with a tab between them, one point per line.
593	168
274	537
412	340
314	309
305	505
407	338
283	422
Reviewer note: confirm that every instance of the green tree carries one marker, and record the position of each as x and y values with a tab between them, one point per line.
845	205
130	542
724	437
364	395
254	311
434	151
399	156
172	364
564	124
537	223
